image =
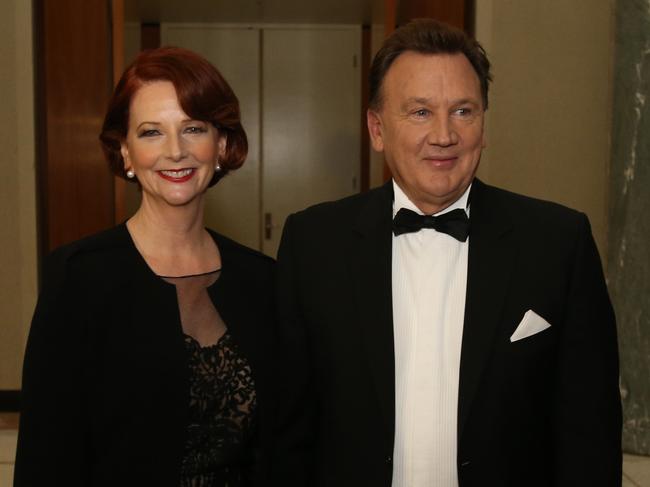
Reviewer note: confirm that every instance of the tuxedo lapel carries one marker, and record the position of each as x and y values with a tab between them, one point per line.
371	270
492	249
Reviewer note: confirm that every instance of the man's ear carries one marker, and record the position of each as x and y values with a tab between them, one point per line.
484	132
375	129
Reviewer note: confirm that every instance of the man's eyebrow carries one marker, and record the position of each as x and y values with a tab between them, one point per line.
464	101
416	99
425	101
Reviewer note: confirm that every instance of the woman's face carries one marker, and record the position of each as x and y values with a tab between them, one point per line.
172	156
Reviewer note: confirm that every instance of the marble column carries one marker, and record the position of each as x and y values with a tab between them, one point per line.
629	218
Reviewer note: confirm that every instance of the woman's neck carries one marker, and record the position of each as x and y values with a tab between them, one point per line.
173	240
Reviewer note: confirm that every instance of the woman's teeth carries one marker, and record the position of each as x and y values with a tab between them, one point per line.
177	174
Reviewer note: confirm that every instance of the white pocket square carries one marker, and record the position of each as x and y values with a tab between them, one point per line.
530	324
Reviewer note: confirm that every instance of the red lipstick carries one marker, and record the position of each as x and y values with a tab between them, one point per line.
177	176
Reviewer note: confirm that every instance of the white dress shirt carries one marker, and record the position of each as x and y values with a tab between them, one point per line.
429	284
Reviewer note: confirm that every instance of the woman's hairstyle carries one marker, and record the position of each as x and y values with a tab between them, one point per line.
427	36
202	93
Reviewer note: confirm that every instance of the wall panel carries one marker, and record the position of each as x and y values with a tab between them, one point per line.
18	256
75	78
629	252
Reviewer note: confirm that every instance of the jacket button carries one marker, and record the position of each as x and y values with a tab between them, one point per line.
464	463
389	460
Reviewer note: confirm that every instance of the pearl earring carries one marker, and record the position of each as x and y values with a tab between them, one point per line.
217	167
130	174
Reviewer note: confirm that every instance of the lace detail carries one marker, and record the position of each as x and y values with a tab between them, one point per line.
222	406
222	400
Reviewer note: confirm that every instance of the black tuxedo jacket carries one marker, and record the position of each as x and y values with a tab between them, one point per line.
543	411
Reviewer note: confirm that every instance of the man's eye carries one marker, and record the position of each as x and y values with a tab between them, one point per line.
463	112
422	112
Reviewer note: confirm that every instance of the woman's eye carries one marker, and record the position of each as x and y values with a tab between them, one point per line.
148	133
195	129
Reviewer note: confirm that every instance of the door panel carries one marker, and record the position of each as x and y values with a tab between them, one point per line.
311	103
302	84
74	82
233	205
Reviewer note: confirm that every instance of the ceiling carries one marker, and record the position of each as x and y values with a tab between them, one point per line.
252	11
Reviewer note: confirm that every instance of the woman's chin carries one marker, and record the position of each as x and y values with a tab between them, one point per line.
176	200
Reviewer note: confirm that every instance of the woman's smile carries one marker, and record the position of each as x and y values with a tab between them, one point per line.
177	175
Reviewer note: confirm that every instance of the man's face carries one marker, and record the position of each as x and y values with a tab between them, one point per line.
430	126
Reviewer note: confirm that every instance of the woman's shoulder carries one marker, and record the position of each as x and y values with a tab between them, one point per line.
235	251
102	249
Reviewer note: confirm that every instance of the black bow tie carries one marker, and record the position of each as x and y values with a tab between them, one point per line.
454	223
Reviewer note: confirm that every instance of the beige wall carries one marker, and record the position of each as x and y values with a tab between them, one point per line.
548	129
17	188
548	126
549	119
377	35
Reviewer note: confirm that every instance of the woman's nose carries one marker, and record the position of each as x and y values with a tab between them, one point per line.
175	147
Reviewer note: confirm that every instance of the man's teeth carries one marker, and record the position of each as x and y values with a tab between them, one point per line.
177	174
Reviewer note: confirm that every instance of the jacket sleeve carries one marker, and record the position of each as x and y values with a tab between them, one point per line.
53	423
588	409
294	424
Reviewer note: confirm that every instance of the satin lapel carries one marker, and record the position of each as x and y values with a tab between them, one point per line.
371	259
492	252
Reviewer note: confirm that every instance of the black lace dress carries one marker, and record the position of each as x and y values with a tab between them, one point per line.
222	392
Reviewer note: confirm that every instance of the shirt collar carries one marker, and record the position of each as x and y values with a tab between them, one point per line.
400	200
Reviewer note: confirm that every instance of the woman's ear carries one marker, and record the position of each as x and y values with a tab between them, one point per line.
124	150
222	142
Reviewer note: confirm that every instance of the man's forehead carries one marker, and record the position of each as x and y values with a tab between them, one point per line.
441	61
414	70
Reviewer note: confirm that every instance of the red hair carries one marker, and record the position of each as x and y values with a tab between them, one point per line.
202	93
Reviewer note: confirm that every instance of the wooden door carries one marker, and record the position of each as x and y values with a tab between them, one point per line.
74	83
311	139
299	90
233	205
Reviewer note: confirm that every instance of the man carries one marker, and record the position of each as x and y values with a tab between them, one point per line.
446	351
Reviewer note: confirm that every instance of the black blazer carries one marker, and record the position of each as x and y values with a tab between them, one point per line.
105	381
543	411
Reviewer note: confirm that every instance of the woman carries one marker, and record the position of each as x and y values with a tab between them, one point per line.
148	357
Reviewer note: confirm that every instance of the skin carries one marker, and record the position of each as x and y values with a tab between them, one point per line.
174	159
430	127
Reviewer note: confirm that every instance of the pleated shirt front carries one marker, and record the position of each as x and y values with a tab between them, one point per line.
429	282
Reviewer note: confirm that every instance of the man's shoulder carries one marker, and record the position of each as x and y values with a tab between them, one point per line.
520	207
346	209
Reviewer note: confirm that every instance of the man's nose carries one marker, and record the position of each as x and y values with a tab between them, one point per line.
442	132
175	147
